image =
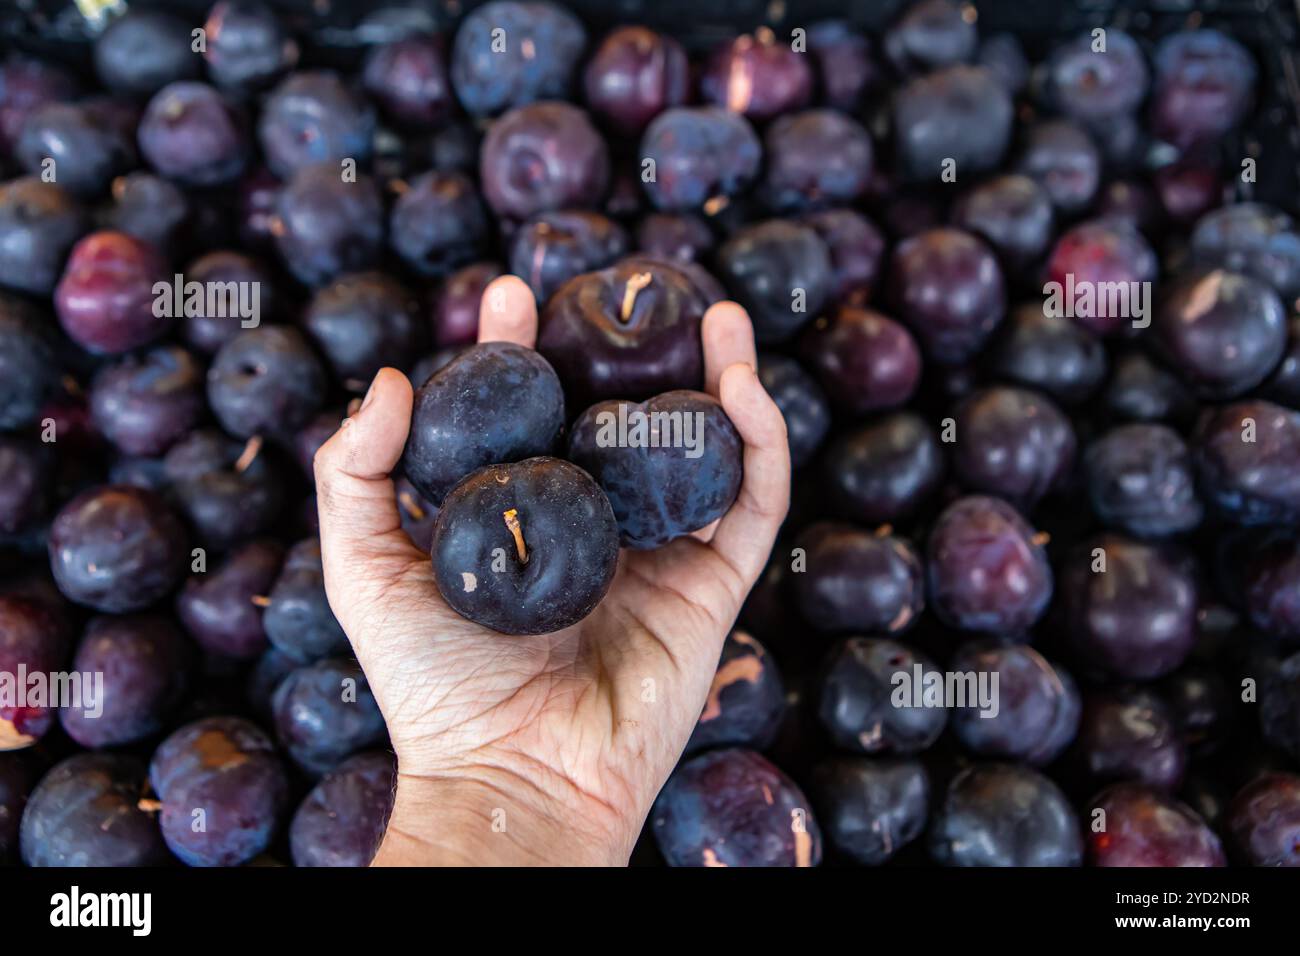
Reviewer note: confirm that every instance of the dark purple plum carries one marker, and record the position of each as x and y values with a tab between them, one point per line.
85	812
297	618
1062	158
1141	391
1091	258
1144	827
1204	85
670	465
554	247
29	369
1188	189
542	157
1036	704
801	401
227	770
873	698
144	50
552	526
845	67
987	568
1005	815
324	712
26	84
1049	353
191	134
85	150
343	819
1003	55
117	549
1248	462
438	223
418	514
1264	820
781	272
495	402
312	436
813	159
1131	734
746	700
105	299
1254	239
229	490
1013	214
680	237
858	581
1222	332
207	330
266	381
456	305
26	479
857	251
363	322
408	78
33	636
632	330
1272	588
542	46
1093	84
1130	606
1202	705
634	75
885	470
144	660
1013	443
1131	201
959	113
757	75
313	118
153	209
929	34
734	808
324	225
222	607
701	157
39	222
145	402
947	287
247	46
1141	479
871	809
864	360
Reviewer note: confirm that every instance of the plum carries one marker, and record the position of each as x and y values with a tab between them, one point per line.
746	700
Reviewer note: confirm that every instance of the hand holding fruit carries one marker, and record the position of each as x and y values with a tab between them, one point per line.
543	748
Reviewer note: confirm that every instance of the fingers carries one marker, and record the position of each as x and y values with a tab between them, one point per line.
354	494
745	534
508	313
728	339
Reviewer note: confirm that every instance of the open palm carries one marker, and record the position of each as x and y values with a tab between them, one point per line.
559	742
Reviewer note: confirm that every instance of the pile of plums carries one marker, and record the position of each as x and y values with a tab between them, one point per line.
1033	332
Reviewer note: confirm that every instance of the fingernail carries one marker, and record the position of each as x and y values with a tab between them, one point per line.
370	394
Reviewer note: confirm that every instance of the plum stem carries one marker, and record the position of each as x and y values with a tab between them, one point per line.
249	454
512	522
260	600
634	285
1041	538
411	506
149	805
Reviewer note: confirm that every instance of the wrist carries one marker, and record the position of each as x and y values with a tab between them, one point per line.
493	817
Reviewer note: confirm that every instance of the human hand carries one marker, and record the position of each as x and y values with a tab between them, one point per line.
548	749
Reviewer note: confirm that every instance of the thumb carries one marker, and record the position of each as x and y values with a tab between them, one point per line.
362	540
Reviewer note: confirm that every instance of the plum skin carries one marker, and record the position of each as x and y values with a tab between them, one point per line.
565	530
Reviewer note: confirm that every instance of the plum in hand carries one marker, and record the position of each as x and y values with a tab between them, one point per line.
495	402
525	548
629	331
670	465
